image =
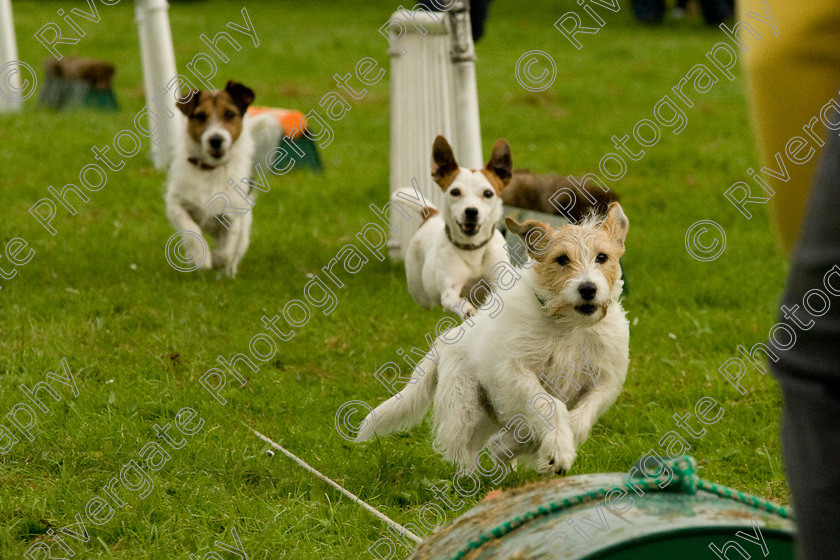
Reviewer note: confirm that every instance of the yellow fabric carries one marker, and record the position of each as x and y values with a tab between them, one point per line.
789	78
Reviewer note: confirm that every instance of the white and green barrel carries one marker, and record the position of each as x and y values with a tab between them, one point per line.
668	514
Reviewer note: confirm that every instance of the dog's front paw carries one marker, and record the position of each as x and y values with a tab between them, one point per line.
555	458
579	426
204	264
226	265
467	310
463	308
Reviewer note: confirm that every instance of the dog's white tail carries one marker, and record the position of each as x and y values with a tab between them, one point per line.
406	408
413	199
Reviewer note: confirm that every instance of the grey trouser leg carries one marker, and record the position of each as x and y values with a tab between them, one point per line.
811	444
809	372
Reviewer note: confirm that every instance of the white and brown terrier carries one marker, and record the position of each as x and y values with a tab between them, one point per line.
565	306
212	157
456	247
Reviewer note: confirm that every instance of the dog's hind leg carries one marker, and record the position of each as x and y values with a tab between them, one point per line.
190	234
462	423
509	447
461	434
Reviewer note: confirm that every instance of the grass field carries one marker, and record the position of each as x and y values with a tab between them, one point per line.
137	335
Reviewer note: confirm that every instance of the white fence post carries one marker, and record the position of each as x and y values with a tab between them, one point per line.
433	91
8	56
158	58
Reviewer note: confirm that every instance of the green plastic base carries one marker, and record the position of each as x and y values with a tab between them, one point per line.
62	94
310	158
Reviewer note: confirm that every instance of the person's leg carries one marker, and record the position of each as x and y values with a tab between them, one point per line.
815	266
789	77
811	443
715	11
648	11
809	372
478	15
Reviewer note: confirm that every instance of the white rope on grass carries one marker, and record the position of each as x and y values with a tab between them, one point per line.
335	485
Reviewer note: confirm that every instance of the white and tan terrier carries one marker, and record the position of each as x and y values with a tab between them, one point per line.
456	247
213	156
502	372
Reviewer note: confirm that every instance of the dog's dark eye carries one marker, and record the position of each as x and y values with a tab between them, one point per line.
601	258
488	194
200	117
455	192
562	260
229	115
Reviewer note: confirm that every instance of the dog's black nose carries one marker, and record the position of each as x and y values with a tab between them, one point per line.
216	141
471	213
587	290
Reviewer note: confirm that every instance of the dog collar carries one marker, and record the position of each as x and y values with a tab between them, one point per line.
200	164
465	246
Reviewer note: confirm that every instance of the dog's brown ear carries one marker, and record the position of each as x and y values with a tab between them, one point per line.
242	95
536	235
187	103
444	166
500	161
616	224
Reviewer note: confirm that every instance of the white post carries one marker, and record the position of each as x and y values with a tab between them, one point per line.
433	91
9	70
158	58
468	129
422	105
143	32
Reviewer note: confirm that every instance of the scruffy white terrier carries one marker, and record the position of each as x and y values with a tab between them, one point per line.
548	365
213	155
456	247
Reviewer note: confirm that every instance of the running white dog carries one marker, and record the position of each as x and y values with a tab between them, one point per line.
212	157
494	383
455	249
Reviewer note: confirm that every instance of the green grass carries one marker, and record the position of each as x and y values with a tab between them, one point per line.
137	335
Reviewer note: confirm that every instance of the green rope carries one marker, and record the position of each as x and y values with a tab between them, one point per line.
685	480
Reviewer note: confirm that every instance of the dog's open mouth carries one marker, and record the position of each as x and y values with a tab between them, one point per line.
586	308
469	229
216	154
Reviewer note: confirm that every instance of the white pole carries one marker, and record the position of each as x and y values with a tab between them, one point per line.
402	530
143	32
158	57
9	70
466	93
